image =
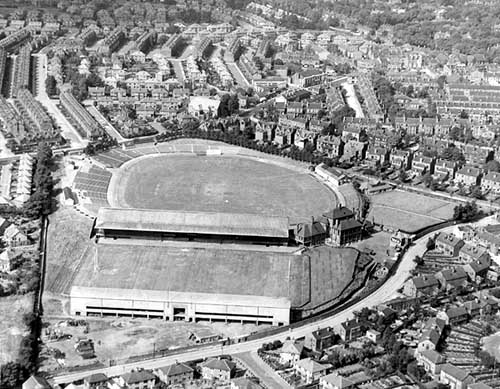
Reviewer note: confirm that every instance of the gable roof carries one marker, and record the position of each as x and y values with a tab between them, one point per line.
291	347
135	377
36	382
433	356
311	365
453	371
448	239
95	378
424	281
339	213
311	229
176	369
191	222
337	381
349	224
453	274
219	364
456	312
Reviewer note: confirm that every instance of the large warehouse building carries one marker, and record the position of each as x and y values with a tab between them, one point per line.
179	283
191	226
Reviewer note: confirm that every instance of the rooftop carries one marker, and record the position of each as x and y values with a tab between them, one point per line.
166	269
192	222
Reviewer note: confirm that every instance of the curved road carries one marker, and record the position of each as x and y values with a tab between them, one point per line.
384	293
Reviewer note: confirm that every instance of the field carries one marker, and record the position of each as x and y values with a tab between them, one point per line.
220	184
12	330
407	211
68	243
331	271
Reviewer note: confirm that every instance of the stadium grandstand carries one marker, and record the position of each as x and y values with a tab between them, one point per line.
191	284
92	184
191	226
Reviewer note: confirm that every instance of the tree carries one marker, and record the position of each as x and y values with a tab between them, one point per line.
51	86
233	105
466	212
223	110
451	153
427	179
418	260
12	375
456	133
476	192
403	176
431	243
441	81
493	166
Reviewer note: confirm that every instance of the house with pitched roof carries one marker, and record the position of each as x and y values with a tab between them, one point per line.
472	253
445	169
454	316
448	244
431	335
425	285
452	278
400	159
36	382
310	370
491	182
332	146
14	237
320	339
335	381
346	231
218	368
8	259
376	155
291	351
95	381
331	175
143	379
310	233
476	270
455	377
350	330
176	374
431	361
468	176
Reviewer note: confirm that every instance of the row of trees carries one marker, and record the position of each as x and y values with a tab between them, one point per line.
13	374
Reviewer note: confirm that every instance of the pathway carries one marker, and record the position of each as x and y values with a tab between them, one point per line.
262	370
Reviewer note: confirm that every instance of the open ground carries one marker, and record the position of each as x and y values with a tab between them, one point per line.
68	243
408	211
12	329
219	184
125	337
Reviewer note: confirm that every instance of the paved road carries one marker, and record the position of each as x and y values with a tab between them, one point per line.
384	293
68	131
264	372
352	100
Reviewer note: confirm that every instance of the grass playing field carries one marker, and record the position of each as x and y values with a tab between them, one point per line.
220	184
408	211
